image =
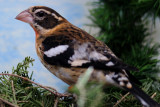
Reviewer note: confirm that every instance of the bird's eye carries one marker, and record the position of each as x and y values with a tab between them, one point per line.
40	14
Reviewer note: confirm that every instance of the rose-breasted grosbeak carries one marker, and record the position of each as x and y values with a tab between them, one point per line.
67	51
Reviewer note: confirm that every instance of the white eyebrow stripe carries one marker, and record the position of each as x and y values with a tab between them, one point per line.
54	15
38	10
56	51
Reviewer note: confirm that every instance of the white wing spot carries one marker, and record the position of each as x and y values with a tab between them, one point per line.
97	56
55	51
121	83
80	52
129	85
123	79
79	62
109	78
110	63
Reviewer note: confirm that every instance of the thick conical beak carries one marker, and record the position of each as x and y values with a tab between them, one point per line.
25	16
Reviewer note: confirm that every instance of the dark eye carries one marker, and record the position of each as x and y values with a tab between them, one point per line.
40	14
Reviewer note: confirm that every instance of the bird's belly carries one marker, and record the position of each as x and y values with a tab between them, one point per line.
68	75
64	74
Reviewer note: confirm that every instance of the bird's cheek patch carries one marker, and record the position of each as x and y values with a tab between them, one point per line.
56	51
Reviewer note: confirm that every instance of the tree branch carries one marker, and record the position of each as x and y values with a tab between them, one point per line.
121	99
11	105
48	89
13	90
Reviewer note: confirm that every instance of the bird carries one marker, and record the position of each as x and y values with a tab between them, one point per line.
67	51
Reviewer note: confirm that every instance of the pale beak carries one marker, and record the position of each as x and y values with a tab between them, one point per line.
25	16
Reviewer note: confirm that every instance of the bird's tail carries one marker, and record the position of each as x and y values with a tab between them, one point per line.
142	97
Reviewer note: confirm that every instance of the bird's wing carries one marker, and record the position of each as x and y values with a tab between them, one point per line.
64	51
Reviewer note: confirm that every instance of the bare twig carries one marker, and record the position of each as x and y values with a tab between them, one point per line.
10	104
26	79
56	102
72	105
22	101
153	95
13	90
44	86
2	104
51	88
121	99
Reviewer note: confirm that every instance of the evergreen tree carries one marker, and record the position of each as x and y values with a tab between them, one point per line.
124	28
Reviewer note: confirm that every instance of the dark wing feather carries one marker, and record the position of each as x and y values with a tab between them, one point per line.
62	58
77	49
80	54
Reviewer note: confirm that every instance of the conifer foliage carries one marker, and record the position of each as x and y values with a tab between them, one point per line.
123	27
18	89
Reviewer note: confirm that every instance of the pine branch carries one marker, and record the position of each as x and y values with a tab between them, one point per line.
153	95
13	90
123	27
48	89
6	102
56	102
120	100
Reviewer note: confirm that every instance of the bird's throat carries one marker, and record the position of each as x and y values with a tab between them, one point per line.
36	32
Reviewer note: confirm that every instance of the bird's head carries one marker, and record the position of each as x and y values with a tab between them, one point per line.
41	18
